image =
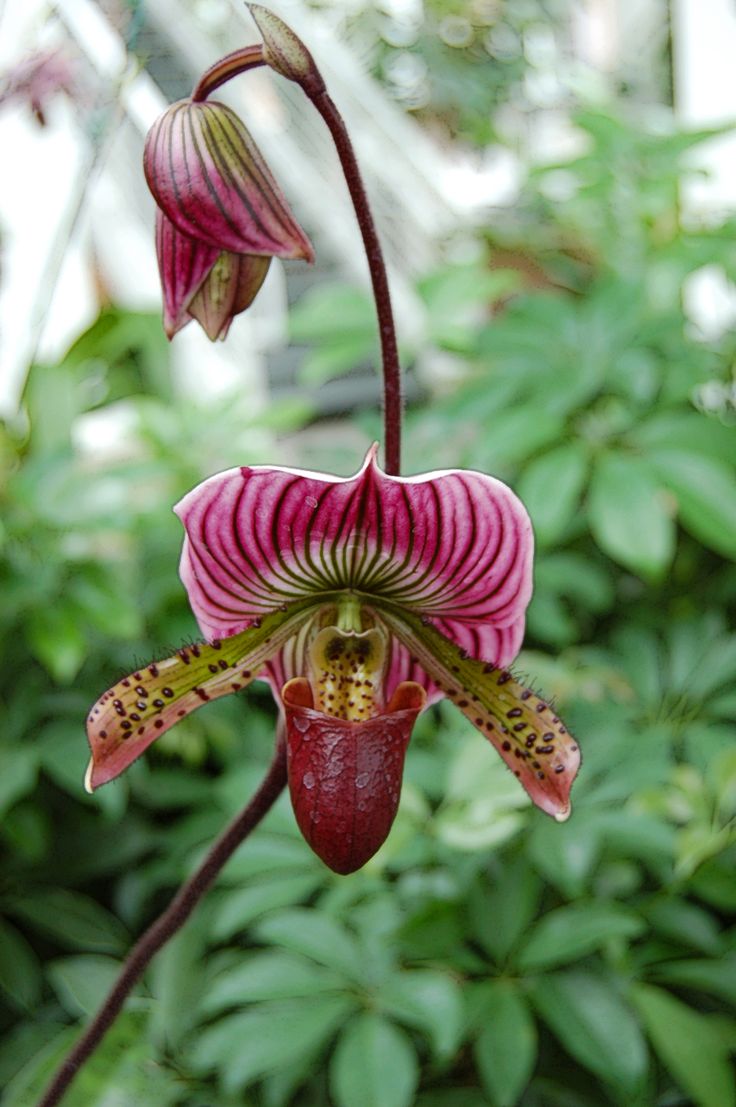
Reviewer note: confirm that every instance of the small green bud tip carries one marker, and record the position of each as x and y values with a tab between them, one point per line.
284	51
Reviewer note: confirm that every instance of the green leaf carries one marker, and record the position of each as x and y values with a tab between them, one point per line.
374	1065
716	977
705	490
315	935
569	933
594	1025
506	1048
20	973
629	515
269	975
687	430
252	1044
18	776
550	488
502	907
81	983
236	910
685	923
55	639
689	1047
429	1000
71	919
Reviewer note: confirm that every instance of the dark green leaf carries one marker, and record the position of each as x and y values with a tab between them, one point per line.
429	1000
569	933
506	1048
595	1026
20	973
269	975
72	919
688	1045
705	490
550	488
81	983
315	935
630	517
374	1065
249	1045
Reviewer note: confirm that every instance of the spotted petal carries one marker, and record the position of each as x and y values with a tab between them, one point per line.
142	706
454	545
210	179
522	727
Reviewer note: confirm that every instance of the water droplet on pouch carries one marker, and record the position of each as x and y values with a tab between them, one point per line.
308	781
361	780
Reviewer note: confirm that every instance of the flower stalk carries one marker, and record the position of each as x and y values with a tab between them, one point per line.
285	54
168	923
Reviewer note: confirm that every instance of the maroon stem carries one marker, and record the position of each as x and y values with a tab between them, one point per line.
167	924
249	57
379	278
313	86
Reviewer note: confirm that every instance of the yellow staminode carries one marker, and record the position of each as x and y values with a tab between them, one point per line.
346	672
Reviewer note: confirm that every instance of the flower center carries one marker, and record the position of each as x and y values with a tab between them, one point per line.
347	671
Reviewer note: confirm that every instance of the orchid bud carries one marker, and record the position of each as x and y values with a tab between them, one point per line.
221	216
284	51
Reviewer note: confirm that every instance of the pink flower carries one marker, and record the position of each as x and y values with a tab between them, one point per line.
221	216
360	601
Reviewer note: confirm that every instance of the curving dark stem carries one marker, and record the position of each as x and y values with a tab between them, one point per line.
250	57
379	278
167	924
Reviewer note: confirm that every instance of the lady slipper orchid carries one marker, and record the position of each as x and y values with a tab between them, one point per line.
221	216
360	601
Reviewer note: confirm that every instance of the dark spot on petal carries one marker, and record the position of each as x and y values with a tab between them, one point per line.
153	669
125	683
103	734
540	776
513	713
212	668
223	664
503	678
507	746
559	768
518	727
216	644
168	692
545	749
158	723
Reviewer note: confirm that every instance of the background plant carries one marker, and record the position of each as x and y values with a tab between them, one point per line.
484	957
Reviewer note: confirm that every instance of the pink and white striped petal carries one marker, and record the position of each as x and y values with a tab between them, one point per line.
210	179
454	546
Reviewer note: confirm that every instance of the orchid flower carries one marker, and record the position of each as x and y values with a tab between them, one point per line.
360	601
220	215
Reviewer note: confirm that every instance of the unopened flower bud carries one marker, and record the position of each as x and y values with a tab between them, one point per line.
221	216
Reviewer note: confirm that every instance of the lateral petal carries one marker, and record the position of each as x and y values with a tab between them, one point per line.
522	727
144	705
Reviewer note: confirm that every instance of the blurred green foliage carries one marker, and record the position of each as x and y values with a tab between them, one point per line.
486	957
